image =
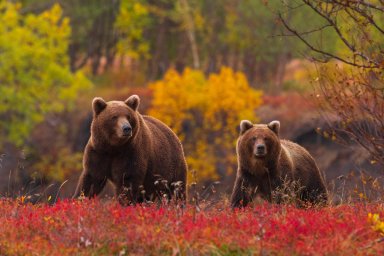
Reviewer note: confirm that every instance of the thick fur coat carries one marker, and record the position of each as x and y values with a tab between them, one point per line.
266	164
140	155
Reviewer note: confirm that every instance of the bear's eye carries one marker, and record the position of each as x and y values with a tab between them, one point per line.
114	117
254	139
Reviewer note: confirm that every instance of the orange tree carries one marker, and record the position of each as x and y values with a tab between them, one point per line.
205	113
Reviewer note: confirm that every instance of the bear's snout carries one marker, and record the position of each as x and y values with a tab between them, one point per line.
260	150
127	130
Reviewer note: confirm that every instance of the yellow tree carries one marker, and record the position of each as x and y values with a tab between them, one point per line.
37	85
34	70
205	113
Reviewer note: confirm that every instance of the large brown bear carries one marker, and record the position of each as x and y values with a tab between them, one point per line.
266	164
140	155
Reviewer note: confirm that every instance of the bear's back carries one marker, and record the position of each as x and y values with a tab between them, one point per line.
167	153
297	152
162	132
304	166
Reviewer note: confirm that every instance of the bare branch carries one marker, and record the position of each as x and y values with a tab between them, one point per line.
305	32
351	47
330	55
360	11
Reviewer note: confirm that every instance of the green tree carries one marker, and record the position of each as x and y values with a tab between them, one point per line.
131	23
93	35
243	35
35	77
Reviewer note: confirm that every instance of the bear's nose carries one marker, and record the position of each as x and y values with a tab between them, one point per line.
127	130
260	149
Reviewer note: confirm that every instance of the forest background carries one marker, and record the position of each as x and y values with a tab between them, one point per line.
200	67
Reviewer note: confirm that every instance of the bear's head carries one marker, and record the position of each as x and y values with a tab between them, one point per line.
258	144
114	122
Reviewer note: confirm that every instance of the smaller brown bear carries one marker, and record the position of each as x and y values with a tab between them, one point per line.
140	155
266	163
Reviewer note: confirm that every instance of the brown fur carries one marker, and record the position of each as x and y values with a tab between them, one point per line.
263	173
135	162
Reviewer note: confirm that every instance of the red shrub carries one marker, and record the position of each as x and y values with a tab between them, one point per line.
95	227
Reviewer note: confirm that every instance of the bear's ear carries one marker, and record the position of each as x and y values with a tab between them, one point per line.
98	105
274	126
133	102
245	125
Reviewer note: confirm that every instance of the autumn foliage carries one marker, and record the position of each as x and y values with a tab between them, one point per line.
355	97
106	228
205	113
34	70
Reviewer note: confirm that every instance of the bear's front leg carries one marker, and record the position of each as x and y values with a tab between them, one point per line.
129	193
242	192
94	175
89	186
128	175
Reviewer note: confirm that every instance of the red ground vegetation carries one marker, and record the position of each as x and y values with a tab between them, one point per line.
96	227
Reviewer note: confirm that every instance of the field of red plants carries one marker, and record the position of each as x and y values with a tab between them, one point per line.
94	227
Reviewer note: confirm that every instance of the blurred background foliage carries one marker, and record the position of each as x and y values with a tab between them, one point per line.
204	113
35	75
199	66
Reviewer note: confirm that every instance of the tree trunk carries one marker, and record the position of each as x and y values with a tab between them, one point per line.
280	72
190	27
